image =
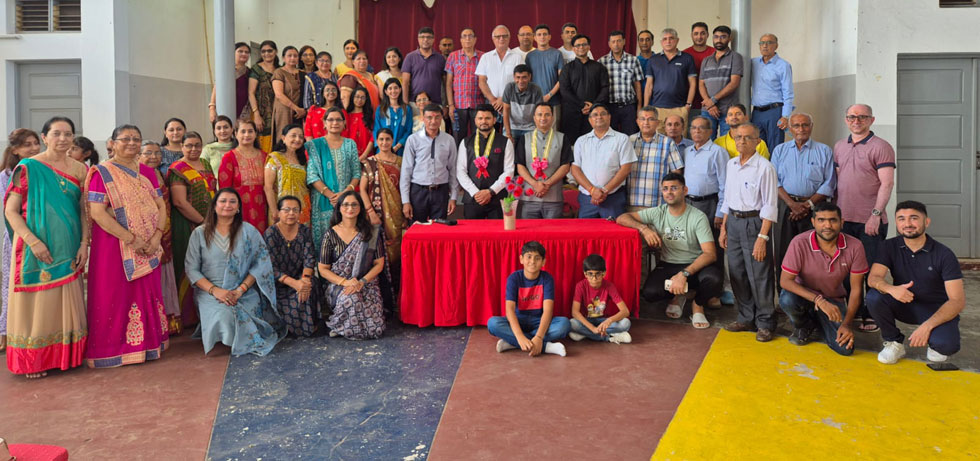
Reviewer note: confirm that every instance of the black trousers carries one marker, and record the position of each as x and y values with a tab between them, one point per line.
464	124
624	118
786	229
492	210
574	124
706	282
429	203
709	207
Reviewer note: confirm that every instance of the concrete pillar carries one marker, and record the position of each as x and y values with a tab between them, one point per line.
224	57
742	36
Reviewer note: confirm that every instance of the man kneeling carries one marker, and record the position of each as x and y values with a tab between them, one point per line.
598	312
687	249
814	269
530	305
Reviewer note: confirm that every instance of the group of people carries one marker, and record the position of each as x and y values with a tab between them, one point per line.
290	219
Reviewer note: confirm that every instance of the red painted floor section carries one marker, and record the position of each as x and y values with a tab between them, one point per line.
158	410
602	401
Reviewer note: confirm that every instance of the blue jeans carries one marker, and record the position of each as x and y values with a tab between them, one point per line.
769	131
500	327
803	313
719	127
612	207
885	309
518	134
615	327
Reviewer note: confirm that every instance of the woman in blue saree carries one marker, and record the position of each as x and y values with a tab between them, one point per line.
229	266
333	168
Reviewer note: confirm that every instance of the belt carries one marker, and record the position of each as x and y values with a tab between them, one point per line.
767	106
701	198
430	187
622	104
798	198
744	214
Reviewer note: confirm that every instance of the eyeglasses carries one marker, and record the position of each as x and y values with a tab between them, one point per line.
152	153
766	42
289	209
498	37
129	140
580	45
851	118
335	120
595	274
267	51
699	127
744	138
670	188
193	146
350	205
801	125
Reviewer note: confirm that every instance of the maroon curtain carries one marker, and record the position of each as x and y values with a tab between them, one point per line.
384	23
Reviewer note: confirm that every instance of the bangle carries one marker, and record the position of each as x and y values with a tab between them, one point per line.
211	290
816	298
243	287
363	281
349	186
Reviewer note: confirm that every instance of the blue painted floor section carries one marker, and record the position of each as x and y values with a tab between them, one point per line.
334	399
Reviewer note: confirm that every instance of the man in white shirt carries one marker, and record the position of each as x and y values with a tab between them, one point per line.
484	163
603	161
750	210
568	31
496	69
525	40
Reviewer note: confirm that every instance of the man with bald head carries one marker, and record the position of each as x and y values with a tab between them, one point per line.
525	40
805	169
496	69
674	129
749	212
772	91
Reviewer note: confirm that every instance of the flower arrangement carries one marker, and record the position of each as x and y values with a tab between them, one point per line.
516	189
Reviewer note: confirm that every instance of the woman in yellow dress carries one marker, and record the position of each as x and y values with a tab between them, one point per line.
285	172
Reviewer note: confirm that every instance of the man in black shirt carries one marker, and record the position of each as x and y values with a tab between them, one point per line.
583	83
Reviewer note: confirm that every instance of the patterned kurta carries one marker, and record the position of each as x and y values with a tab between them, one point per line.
246	175
290	258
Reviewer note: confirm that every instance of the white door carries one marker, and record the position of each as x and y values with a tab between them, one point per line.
45	90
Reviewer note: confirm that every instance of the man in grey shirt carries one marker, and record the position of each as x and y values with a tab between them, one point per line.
520	96
428	177
721	74
543	157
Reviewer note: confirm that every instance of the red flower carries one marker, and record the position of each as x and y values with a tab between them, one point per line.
529	191
518	192
508	180
520	180
511	187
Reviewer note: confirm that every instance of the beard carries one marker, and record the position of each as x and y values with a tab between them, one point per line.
912	234
831	239
721	46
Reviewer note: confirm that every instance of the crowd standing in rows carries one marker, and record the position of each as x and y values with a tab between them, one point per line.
290	219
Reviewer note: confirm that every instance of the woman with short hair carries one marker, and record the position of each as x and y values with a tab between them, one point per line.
293	261
150	156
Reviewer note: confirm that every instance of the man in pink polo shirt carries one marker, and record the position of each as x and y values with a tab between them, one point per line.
814	270
865	166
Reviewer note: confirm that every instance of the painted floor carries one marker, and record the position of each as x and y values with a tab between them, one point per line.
446	394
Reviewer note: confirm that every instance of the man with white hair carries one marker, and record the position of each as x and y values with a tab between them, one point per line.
496	69
671	79
772	92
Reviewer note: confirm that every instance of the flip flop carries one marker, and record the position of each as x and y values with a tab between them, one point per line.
674	311
699	318
868	325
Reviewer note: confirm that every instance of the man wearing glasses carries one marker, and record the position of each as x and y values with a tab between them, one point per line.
865	167
772	92
423	69
462	86
750	211
583	83
496	69
705	166
687	250
603	160
805	169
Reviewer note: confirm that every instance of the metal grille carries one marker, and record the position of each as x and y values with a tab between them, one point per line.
49	16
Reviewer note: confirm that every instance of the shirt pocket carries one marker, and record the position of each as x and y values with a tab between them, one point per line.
814	175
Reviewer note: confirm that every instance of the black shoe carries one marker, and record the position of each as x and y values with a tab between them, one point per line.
764	335
801	336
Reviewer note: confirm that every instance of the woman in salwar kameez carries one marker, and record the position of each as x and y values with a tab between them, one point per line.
285	173
293	261
333	168
229	265
126	317
46	327
243	168
351	259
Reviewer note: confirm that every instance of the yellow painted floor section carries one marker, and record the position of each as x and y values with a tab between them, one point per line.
779	401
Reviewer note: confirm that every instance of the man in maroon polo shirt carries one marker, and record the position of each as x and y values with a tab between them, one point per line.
814	269
865	166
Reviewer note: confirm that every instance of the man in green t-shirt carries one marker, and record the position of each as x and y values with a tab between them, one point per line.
682	236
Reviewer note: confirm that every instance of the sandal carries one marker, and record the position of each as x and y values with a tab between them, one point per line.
699	321
674	311
868	325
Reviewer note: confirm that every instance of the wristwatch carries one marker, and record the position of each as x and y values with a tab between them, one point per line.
686	273
809	203
763	237
875	212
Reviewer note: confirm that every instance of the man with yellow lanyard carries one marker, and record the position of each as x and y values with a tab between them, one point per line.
484	163
544	157
736	116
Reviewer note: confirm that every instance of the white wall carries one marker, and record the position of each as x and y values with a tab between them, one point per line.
324	24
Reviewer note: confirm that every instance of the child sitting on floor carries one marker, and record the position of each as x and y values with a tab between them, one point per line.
598	312
529	309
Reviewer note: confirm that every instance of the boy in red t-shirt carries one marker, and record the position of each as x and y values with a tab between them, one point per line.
529	322
598	312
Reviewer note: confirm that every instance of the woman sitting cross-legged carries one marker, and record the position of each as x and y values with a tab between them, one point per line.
293	259
228	263
351	259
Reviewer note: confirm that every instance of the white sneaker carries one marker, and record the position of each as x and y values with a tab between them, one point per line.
504	346
575	336
554	348
621	338
891	352
934	356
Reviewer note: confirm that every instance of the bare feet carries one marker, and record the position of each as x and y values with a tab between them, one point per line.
3	343
36	375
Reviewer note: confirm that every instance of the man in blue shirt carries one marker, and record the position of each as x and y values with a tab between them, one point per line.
805	169
705	167
772	91
671	79
927	289
546	63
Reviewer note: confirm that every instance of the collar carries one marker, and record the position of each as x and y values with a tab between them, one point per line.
870	135
841	242
679	53
609	132
808	144
727	52
657	137
542	134
775	57
928	247
613	58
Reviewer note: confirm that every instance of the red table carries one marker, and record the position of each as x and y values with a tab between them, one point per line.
455	275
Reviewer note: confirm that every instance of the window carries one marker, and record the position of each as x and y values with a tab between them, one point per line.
49	15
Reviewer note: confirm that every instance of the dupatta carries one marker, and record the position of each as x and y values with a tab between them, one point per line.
53	215
321	162
251	256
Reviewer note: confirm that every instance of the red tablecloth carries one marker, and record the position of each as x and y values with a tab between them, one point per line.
454	275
